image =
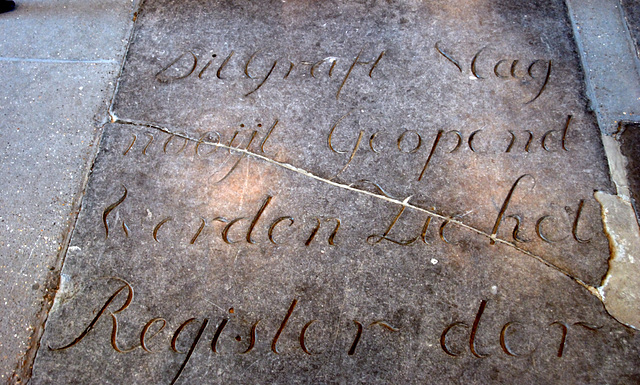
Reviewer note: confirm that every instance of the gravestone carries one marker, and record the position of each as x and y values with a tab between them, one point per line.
343	192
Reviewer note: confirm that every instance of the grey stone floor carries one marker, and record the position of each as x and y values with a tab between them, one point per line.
59	63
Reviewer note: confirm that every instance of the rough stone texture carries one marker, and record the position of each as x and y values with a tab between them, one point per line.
630	148
632	15
47	144
67	30
620	289
418	289
58	65
179	180
609	59
413	88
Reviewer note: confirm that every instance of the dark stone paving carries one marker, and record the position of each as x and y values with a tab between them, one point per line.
632	15
340	193
630	146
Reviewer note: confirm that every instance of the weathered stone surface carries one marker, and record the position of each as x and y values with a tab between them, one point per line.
630	148
452	145
632	15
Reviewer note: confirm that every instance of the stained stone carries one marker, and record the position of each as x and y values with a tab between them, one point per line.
343	192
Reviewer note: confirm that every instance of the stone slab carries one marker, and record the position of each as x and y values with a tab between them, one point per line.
67	30
609	59
632	15
630	148
58	65
361	192
48	142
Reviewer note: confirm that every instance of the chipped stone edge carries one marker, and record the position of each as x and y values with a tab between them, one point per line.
620	288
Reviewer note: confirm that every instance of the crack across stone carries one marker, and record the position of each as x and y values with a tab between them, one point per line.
405	203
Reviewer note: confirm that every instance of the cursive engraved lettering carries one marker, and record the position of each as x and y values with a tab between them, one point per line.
374	238
163	77
302	338
574	228
443	338
433	150
109	209
145	329
275	223
274	342
503	209
191	349
474	330
448	57
102	311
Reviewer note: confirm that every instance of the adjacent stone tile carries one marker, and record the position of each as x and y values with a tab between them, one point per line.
630	148
632	15
361	192
48	143
67	30
609	59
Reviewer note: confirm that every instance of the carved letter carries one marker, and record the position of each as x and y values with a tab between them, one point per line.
102	311
496	69
317	228
264	80
544	83
503	340
275	223
303	333
160	76
474	330
158	226
473	64
224	63
503	209
109	209
574	229
355	61
192	348
254	337
257	217
145	329
216	336
541	233
375	63
433	150
355	148
448	57
274	343
443	337
227	228
267	136
415	149
374	238
564	336
352	350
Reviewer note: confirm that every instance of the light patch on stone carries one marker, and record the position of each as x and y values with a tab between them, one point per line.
620	289
617	165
